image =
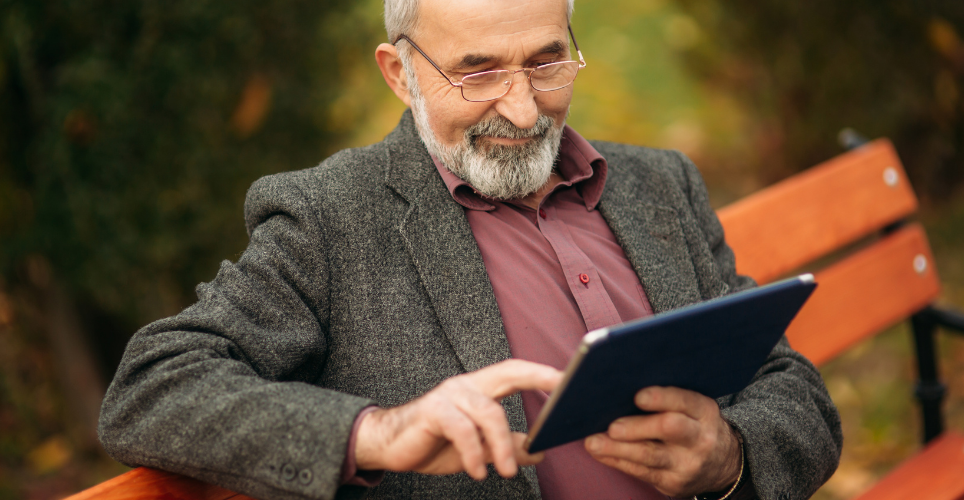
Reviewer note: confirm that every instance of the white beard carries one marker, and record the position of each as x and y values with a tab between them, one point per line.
498	171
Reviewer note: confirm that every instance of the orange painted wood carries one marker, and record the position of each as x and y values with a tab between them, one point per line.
802	218
145	483
935	473
865	293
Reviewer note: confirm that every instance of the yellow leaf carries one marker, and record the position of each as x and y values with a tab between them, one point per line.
253	107
51	455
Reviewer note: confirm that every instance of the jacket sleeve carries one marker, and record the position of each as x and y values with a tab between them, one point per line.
223	391
790	426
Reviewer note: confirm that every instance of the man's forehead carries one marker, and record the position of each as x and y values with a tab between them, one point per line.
468	26
454	10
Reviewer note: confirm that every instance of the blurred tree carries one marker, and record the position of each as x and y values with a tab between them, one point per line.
806	70
130	131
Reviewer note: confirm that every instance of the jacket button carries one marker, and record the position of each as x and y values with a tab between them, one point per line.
288	472
304	477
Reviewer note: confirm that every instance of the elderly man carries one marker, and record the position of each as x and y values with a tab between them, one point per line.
360	346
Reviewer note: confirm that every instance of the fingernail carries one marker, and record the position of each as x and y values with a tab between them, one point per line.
617	429
594	443
643	398
512	471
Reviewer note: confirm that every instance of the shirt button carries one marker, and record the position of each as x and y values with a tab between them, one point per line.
304	477
542	213
584	278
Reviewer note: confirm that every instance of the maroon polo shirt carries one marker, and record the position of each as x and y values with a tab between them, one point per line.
558	272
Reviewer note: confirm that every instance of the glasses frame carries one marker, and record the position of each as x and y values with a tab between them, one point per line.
511	73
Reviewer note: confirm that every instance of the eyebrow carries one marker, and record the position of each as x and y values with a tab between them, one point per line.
473	60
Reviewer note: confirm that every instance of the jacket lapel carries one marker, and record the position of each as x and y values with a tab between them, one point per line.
450	266
659	252
443	249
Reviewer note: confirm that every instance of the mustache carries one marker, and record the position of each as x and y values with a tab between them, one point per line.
500	126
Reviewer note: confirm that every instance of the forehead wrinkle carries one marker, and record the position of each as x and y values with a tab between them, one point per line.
464	16
462	38
473	59
553	47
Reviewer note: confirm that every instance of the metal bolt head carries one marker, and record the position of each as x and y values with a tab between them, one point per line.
288	472
891	177
920	264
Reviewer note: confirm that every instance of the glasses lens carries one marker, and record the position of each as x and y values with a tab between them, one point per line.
486	86
554	76
494	84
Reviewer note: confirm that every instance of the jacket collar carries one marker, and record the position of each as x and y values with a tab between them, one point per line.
409	164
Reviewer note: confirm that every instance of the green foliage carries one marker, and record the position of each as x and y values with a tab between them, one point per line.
805	70
634	88
131	130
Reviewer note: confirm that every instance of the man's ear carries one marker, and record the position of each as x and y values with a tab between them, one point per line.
386	55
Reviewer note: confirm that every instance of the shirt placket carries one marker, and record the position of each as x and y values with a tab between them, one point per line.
595	304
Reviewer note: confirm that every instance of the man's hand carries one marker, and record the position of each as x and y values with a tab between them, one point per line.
457	426
683	449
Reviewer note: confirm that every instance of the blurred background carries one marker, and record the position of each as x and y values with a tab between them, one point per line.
130	131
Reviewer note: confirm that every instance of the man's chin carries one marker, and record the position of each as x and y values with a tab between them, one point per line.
518	195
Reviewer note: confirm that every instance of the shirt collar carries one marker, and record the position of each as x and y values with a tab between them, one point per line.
579	164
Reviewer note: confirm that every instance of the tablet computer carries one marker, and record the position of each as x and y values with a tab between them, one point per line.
713	347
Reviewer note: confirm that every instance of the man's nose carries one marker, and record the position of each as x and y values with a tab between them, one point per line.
519	104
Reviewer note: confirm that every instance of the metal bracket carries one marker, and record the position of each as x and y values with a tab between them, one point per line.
930	391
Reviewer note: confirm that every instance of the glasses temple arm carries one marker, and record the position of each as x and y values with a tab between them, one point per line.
429	59
576	44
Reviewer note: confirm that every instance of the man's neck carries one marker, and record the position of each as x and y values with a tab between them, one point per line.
533	200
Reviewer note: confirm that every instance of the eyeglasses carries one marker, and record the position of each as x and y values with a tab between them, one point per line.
491	85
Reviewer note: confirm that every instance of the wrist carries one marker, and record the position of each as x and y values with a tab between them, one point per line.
368	441
740	475
737	460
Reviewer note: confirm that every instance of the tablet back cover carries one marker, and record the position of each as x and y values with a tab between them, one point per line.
713	348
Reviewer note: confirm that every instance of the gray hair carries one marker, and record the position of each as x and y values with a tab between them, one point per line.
401	17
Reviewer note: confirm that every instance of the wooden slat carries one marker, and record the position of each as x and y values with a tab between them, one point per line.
936	473
865	293
146	483
813	213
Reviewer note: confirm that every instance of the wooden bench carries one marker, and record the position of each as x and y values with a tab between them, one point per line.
854	208
144	483
860	198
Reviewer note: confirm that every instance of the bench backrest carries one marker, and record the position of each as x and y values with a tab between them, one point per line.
850	208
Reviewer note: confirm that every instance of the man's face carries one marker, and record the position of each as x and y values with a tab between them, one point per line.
469	36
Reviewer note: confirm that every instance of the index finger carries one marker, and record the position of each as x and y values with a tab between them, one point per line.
513	375
663	399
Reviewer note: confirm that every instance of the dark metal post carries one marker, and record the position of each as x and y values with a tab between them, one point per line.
930	391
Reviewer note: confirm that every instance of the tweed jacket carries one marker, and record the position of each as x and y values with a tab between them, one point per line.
362	284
